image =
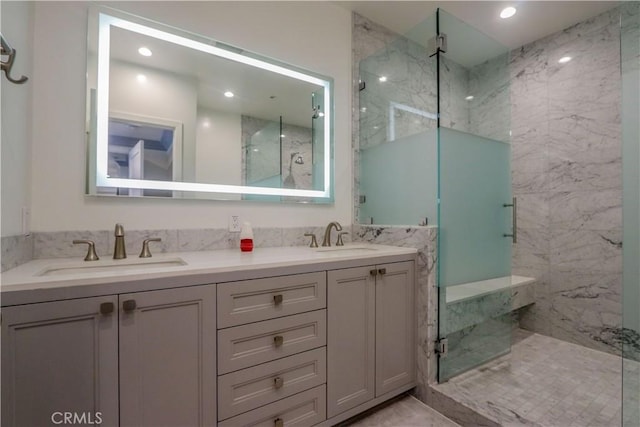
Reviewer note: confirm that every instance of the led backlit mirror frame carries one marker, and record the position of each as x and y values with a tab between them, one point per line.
107	20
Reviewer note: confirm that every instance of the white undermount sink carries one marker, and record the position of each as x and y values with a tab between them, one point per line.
348	248
101	266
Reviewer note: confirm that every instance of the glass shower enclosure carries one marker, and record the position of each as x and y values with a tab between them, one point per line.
434	150
630	68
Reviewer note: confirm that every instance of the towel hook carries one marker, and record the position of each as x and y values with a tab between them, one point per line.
7	50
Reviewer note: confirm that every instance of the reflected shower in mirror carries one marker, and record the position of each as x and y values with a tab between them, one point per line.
173	114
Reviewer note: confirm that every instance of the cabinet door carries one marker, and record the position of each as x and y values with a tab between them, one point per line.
351	338
395	326
167	357
60	357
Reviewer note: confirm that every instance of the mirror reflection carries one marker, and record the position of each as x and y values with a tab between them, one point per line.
174	115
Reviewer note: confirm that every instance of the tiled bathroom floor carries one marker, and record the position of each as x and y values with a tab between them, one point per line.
544	382
405	412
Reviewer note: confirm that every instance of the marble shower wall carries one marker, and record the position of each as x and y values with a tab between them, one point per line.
406	103
279	158
566	173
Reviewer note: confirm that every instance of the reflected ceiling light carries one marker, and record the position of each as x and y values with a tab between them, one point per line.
507	12
206	124
383	78
255	150
469	98
141	78
321	114
229	94
145	51
282	135
363	109
564	59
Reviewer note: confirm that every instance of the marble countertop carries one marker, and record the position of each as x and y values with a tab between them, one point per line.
27	284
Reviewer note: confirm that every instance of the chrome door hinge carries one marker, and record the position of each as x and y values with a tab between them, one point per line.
442	347
437	44
362	85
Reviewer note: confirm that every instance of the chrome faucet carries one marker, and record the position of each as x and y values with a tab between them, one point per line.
119	251
326	241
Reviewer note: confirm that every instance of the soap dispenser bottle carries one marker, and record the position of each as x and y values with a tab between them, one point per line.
246	238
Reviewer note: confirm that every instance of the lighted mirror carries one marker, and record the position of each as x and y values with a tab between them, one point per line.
173	114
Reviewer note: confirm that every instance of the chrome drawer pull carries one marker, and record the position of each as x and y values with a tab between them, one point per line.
278	340
373	272
382	271
278	422
278	382
277	299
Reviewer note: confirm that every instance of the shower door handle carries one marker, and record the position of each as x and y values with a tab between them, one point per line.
514	215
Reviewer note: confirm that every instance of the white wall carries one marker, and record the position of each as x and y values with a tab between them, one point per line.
161	96
17	27
218	147
313	35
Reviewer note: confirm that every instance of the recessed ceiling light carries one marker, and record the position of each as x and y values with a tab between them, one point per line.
141	78
564	59
469	98
229	94
507	12
383	78
145	51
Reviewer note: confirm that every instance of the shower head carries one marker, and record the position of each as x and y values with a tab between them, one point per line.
299	161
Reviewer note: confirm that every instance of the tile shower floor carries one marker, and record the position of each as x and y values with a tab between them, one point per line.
544	382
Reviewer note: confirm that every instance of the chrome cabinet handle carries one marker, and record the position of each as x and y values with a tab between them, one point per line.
277	299
106	308
278	422
373	272
514	215
278	340
129	305
382	271
278	382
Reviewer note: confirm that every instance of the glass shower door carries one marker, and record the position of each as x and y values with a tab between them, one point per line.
630	50
476	210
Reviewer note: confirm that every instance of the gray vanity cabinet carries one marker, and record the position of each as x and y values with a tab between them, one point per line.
167	357
59	357
371	344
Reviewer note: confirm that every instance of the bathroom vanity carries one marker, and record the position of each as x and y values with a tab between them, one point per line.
280	336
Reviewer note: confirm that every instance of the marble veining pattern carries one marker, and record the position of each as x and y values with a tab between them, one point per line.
16	250
566	173
58	244
406	411
543	382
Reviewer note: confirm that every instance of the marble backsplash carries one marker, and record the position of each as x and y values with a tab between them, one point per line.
17	250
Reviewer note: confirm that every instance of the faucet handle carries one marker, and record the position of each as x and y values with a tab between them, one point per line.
339	242
314	242
91	250
146	253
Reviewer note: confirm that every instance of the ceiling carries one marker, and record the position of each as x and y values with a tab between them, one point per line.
533	20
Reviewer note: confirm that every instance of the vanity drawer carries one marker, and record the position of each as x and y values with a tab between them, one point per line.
247	345
261	299
250	388
302	409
